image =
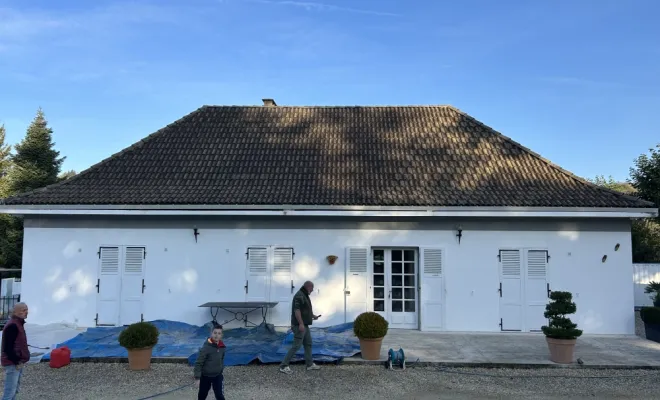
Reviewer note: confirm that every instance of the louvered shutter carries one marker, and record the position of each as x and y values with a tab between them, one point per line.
432	287
511	290
355	291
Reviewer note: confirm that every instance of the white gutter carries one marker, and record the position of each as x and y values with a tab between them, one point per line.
328	211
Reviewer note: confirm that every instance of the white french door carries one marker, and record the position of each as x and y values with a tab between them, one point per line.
395	286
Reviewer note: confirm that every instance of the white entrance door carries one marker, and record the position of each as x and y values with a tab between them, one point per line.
432	289
523	289
355	290
282	288
120	285
132	284
394	282
108	287
256	280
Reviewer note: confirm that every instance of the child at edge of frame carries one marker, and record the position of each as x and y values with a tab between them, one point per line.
209	366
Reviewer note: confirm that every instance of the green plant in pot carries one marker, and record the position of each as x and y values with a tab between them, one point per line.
370	328
651	318
653	288
139	339
561	333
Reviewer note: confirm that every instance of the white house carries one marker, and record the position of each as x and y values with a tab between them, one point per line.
439	223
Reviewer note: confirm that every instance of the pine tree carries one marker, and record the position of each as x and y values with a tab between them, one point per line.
36	163
6	221
5	161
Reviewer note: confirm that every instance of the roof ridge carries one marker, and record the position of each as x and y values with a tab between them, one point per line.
550	163
336	106
106	160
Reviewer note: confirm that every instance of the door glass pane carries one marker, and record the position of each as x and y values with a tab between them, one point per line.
410	306
379	268
397	306
409	255
397	293
396	280
409	280
409	268
396	268
397	255
379	255
409	293
379	305
379	293
379	280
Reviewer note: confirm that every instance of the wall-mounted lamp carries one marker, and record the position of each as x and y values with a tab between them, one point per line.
196	233
616	248
459	235
604	258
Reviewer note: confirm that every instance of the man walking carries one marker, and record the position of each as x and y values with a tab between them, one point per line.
302	316
15	352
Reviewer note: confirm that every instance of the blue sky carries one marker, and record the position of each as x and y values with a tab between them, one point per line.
576	81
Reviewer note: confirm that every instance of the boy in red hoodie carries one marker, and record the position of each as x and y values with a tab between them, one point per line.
210	365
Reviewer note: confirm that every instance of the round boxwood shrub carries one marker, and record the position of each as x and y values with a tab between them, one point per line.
140	335
560	326
650	315
370	325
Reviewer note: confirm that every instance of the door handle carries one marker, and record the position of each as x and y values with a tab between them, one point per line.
292	287
246	286
389	294
98	285
549	291
500	289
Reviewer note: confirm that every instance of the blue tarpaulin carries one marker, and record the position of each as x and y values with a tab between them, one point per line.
244	345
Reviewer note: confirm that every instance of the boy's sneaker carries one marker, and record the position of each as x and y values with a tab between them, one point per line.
313	367
286	370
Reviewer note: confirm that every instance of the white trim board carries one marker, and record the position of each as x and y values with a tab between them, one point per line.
329	211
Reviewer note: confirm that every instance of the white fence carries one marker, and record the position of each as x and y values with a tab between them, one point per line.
642	275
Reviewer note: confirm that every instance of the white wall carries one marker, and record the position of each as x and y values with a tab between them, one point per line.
643	274
60	264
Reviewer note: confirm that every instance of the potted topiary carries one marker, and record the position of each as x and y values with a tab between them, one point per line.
561	333
370	328
651	318
654	289
139	339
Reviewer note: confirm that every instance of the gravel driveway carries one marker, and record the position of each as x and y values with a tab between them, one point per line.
114	381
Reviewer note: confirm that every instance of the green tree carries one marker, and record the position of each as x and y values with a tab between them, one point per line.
645	175
66	175
36	163
5	161
610	183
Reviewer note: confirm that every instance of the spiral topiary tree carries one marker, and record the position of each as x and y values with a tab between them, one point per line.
561	327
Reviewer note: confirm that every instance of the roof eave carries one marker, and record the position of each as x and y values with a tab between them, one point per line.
338	211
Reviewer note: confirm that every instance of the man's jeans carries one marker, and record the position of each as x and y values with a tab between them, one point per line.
12	381
298	339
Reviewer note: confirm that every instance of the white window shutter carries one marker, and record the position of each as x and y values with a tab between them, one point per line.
510	260
282	260
537	263
358	260
432	261
109	260
134	260
258	260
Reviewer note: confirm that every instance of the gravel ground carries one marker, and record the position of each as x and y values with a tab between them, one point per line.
114	381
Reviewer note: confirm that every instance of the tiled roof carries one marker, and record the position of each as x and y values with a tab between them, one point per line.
367	156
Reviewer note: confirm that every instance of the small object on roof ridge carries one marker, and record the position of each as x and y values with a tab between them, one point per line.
269	102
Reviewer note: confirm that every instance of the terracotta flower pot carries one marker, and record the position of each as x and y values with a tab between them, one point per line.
561	350
370	348
139	359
